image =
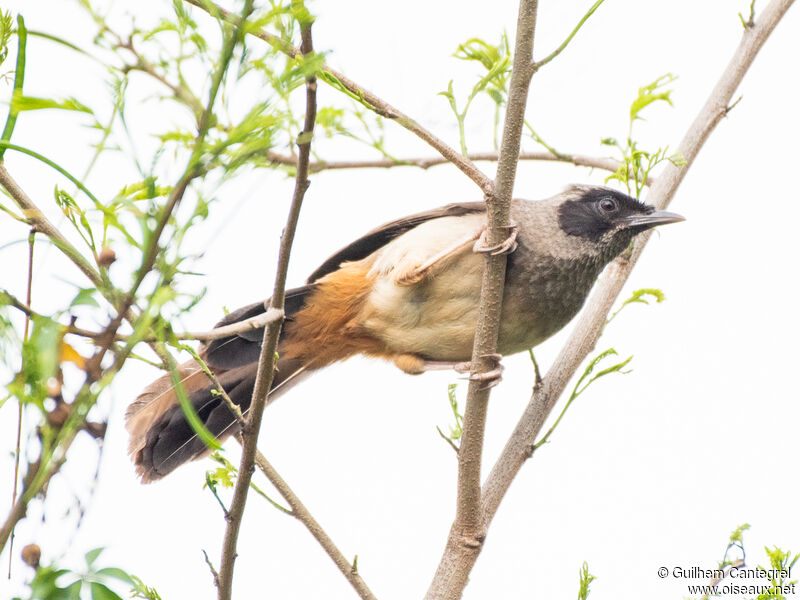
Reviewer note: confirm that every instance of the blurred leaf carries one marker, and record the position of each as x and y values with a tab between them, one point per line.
85	297
76	216
639	296
586	579
6	31
92	555
40	359
19	78
589	376
736	536
101	592
21	103
115	573
140	590
652	92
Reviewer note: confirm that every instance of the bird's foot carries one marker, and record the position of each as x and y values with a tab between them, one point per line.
507	246
492	377
414	364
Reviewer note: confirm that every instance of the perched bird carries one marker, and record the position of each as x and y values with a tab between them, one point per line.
407	292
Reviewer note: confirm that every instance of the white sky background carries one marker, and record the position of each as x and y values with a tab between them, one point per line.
652	469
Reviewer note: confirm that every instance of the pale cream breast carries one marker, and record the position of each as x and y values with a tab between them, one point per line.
435	316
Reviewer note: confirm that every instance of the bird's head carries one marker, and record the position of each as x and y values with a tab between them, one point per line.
607	218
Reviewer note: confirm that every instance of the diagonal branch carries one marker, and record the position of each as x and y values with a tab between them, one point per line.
266	363
368	99
301	513
37	219
519	448
590	323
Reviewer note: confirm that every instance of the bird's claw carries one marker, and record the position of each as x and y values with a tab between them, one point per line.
507	246
492	377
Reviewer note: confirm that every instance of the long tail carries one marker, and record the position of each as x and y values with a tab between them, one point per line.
161	438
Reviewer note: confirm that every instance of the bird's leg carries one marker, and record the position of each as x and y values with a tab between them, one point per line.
414	364
507	246
419	272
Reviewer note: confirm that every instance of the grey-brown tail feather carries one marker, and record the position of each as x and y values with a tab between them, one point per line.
161	438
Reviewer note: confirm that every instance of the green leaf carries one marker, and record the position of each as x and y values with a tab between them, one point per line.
6	31
189	412
92	555
20	103
589	378
596	361
450	97
140	590
478	50
586	579
115	573
221	476
455	429
736	536
19	77
85	297
41	354
639	296
652	92
101	592
71	592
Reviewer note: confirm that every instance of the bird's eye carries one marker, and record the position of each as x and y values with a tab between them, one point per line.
608	205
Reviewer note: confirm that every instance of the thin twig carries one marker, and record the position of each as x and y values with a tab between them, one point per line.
18	446
182	93
269	344
19	507
448	440
211	568
232	406
539	64
579	160
301	513
270	316
368	99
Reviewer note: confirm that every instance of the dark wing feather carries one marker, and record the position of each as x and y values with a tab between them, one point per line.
379	237
245	347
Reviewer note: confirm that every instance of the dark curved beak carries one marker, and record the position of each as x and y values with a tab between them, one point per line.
653	219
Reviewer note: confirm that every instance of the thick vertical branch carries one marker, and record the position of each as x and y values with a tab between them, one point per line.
589	327
266	363
590	323
468	531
